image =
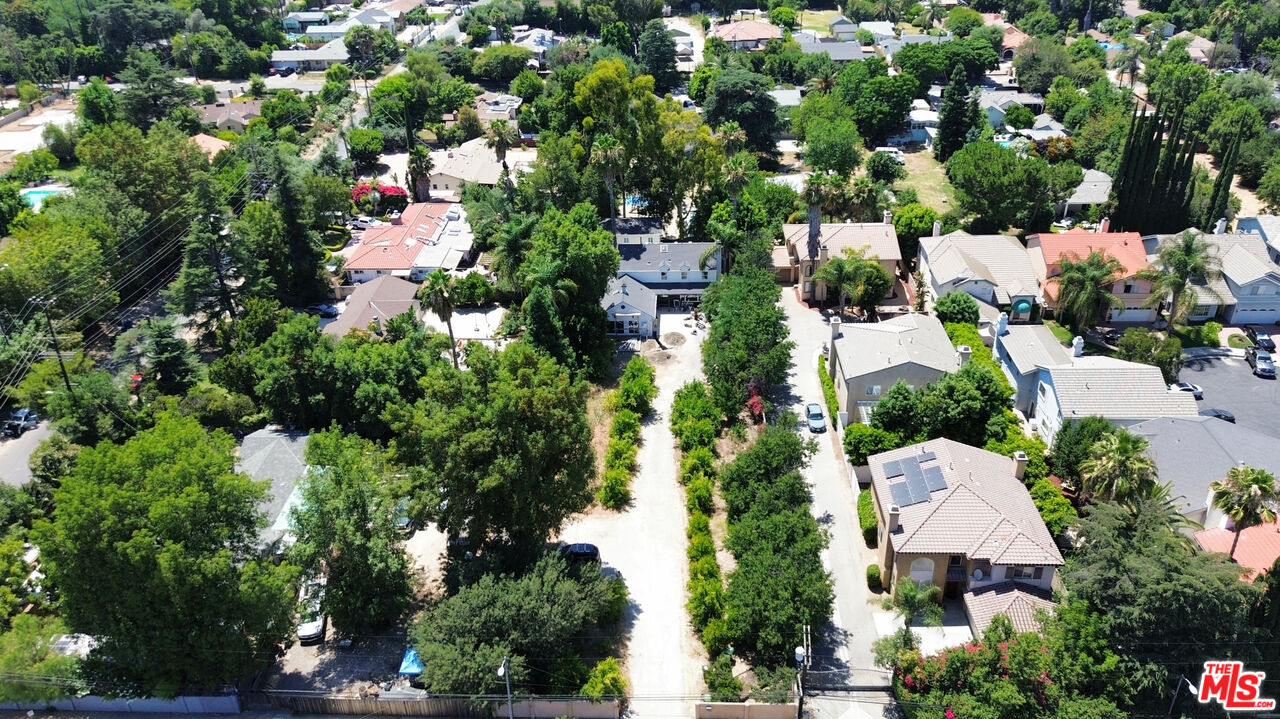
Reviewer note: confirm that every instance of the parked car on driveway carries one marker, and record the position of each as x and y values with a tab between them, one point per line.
1193	389
312	619
1259	336
1221	414
814	418
1260	361
580	552
321	310
21	421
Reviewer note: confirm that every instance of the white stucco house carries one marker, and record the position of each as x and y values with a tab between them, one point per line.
632	308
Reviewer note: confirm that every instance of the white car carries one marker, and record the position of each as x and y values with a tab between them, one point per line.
363	222
312	619
1193	389
893	152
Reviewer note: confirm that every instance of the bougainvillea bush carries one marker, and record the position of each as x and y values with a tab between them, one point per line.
391	198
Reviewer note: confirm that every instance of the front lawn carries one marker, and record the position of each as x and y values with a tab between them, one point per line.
1239	342
818	21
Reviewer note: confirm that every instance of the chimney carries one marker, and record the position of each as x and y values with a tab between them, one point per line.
965	352
937	228
1220	227
377	323
835	329
1019	464
888	217
1105	227
894	514
1002	328
624	288
1077	346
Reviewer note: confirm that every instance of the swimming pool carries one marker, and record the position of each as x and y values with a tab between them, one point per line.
36	196
1111	45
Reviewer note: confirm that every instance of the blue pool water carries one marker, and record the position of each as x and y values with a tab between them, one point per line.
36	197
1111	45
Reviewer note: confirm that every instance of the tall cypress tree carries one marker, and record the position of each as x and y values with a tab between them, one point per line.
954	118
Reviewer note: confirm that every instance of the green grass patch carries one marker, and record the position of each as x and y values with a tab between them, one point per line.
928	178
1239	342
818	21
1205	335
1062	333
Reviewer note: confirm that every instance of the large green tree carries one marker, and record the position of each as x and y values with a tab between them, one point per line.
1084	289
212	261
500	453
954	119
657	56
743	97
151	90
154	550
345	532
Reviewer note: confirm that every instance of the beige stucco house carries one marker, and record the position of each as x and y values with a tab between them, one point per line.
811	246
959	518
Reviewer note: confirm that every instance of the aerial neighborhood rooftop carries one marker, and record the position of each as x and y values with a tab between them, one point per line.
604	359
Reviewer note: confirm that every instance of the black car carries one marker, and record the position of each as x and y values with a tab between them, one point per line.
321	309
287	72
580	552
1221	414
21	421
1258	335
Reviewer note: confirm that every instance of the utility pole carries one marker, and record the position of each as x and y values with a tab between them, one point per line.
44	304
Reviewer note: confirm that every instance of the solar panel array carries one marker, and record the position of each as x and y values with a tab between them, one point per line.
916	482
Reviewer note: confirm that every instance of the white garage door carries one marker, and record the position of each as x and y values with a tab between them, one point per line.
1250	315
1137	314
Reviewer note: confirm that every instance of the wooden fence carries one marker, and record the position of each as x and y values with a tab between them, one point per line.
440	707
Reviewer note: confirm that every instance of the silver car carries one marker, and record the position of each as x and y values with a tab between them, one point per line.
312	619
814	418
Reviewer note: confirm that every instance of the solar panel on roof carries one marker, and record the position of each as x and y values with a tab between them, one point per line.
919	490
933	479
893	469
901	495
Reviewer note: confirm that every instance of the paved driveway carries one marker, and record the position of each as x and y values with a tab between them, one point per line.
842	655
646	543
1229	384
14	454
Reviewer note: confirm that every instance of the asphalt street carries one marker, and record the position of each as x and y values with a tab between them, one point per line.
15	452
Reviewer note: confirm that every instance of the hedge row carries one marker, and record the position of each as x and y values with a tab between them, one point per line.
694	418
828	392
630	402
867	518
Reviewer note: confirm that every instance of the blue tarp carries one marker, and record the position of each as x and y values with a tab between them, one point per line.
410	666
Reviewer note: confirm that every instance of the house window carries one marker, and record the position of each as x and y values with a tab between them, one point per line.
866	409
1044	390
684	275
705	274
955	562
1128	288
664	274
808	270
1255	290
873	390
1200	310
1024	572
808	287
435	186
922	571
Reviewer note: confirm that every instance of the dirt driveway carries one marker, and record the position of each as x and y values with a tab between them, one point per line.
646	544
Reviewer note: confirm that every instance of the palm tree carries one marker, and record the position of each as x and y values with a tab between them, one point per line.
500	137
1248	496
608	153
816	189
510	245
737	173
544	272
912	601
836	274
825	79
1128	62
1160	506
437	296
733	137
1228	15
1084	289
1118	468
420	167
1182	262
933	13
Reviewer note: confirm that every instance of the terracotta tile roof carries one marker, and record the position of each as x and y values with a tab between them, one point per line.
1014	38
983	513
397	247
209	144
1015	600
747	31
1078	244
1258	549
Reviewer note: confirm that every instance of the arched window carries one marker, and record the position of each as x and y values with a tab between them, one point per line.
922	571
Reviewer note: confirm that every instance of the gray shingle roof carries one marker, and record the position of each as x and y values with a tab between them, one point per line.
998	259
1015	600
907	339
1192	452
633	225
984	513
1031	347
838	51
1116	389
628	290
275	456
650	258
1095	189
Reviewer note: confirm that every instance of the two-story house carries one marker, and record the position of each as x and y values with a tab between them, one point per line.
811	246
1048	250
1248	288
1053	384
959	518
869	358
297	22
994	269
677	272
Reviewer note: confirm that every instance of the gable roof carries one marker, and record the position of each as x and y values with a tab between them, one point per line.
840	20
1077	245
879	238
882	28
747	31
1016	600
627	290
674	256
1116	389
242	112
1032	347
633	225
1013	38
277	457
382	298
919	339
998	259
209	144
837	50
1094	189
1258	548
983	512
1192	452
